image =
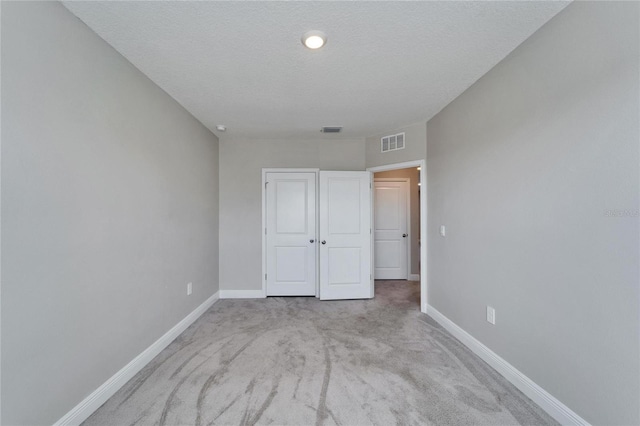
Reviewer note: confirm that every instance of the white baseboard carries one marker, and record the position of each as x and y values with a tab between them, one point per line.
414	277
242	294
98	397
556	409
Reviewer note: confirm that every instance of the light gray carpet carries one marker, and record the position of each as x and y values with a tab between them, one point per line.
300	361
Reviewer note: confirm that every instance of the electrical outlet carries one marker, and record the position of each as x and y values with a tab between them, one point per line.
189	289
443	230
491	315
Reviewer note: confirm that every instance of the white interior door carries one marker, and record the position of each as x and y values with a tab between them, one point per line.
345	235
291	234
391	231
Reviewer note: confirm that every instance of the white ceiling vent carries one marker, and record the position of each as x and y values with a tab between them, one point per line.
392	142
331	129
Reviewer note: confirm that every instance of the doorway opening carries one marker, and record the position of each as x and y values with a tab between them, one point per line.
399	231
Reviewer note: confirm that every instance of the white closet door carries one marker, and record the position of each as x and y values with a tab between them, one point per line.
390	230
345	235
291	234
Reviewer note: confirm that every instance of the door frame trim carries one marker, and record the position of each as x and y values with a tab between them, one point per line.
408	218
264	221
423	219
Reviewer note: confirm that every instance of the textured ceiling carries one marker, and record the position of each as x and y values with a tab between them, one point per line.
385	64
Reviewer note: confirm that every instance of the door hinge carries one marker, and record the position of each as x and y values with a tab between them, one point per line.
265	231
265	184
265	277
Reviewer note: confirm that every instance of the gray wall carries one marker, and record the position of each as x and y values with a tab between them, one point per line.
109	208
241	163
524	169
414	198
415	146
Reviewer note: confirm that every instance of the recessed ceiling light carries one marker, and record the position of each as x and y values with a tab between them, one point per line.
314	39
221	128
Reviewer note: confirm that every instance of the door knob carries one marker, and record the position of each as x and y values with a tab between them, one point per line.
324	242
311	241
404	235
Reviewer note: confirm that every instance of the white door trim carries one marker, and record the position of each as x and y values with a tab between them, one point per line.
264	221
423	220
408	180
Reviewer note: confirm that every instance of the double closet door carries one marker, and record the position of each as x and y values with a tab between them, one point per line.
318	234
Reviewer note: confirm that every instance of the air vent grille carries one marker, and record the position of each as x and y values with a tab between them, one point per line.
392	142
331	129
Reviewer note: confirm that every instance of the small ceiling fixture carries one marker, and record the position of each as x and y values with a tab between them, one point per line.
314	39
221	128
331	129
